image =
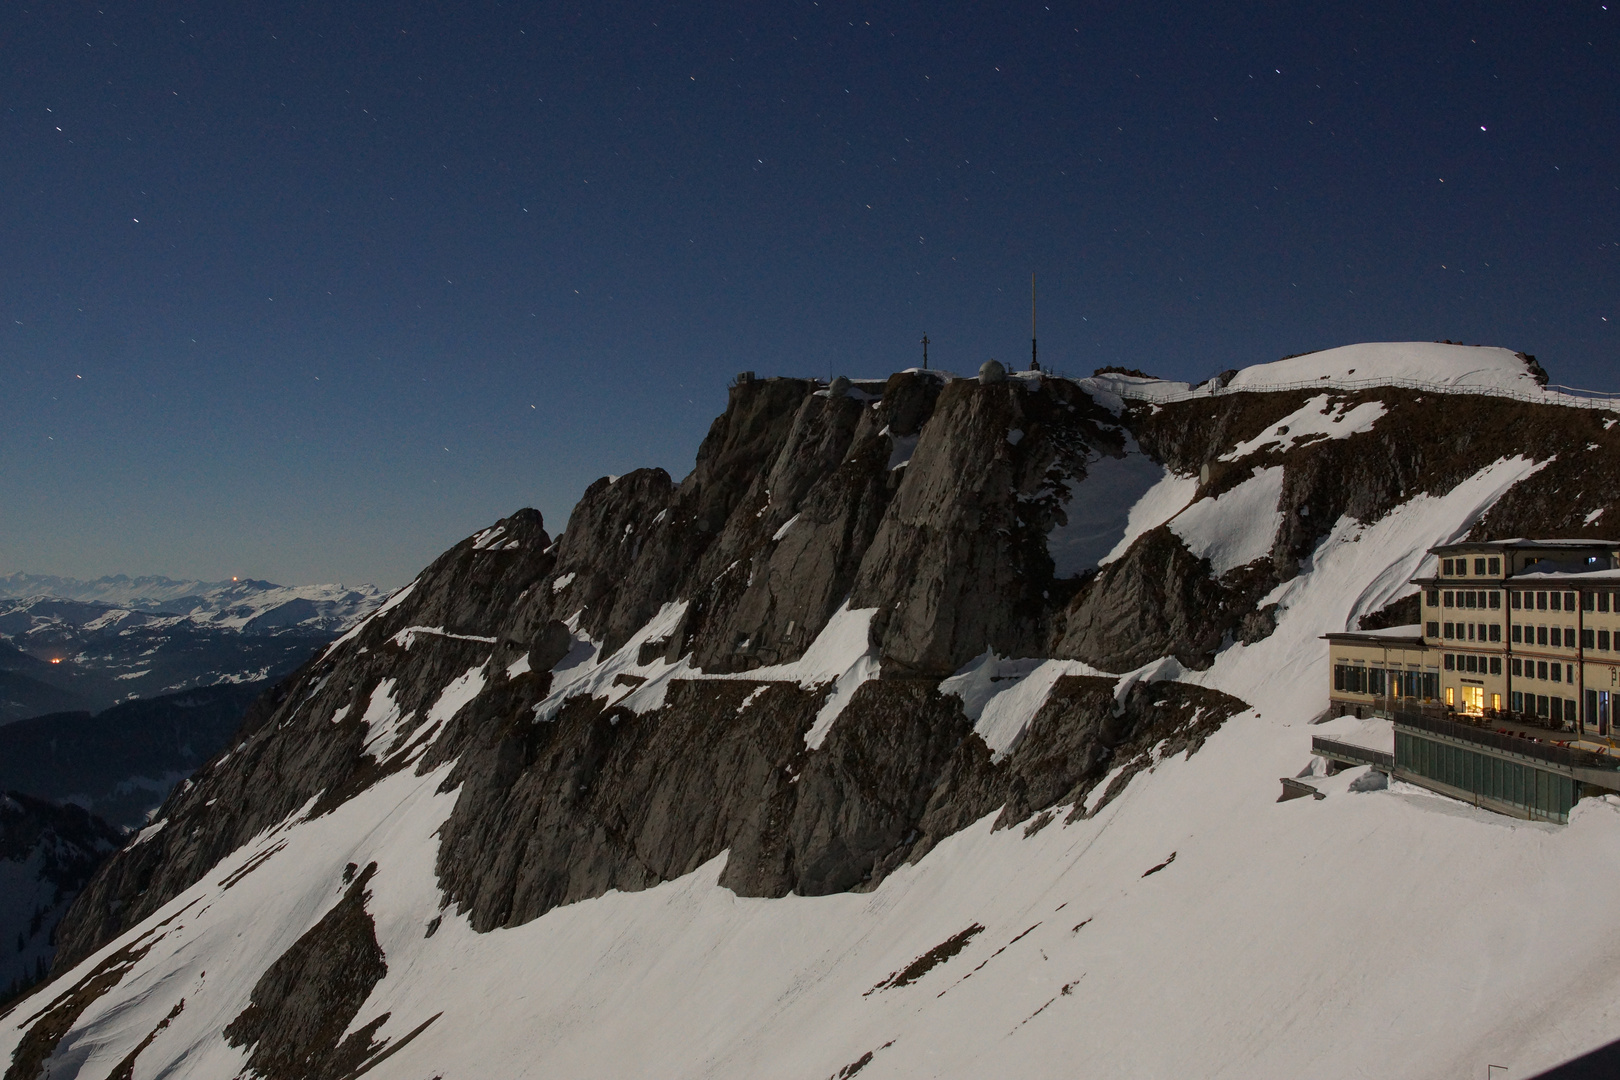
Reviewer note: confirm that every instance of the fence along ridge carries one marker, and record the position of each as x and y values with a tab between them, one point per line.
1554	394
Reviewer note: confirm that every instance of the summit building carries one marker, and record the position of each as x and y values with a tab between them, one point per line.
1507	692
1510	629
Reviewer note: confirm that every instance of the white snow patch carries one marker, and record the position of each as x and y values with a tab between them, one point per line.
382	719
585	672
1424	362
1164	669
1161	502
786	525
150	831
1001	696
1015	436
1594	515
488	537
518	666
863	669
407	637
451	700
1319	418
340	713
134	674
840	655
563	582
1236	527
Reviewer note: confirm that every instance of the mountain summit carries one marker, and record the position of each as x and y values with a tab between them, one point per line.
930	727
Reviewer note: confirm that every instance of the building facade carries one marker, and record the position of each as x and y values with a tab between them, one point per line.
1517	629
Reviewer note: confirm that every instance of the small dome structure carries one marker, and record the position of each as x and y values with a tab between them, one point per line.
991	371
838	387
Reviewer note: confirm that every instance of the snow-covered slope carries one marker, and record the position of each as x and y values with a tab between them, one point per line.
518	824
1457	367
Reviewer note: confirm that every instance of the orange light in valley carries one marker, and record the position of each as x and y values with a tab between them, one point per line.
56	659
233	579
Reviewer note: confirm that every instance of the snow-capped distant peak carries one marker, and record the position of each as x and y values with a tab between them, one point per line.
249	605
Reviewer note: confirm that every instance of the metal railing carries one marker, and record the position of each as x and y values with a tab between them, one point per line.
1551	395
1350	753
1568	757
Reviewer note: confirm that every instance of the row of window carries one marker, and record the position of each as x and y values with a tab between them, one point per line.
1484	665
1541	669
1482	567
1524	600
1466	598
1554	708
1557	637
1470	631
1551	601
1379	682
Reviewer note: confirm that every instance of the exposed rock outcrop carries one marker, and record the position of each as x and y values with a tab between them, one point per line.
300	1008
927	500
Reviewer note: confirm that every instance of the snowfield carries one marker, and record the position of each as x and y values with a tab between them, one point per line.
1457	367
1195	927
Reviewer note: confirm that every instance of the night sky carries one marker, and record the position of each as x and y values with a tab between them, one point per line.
310	292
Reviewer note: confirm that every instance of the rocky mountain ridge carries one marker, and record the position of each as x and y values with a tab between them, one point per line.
832	649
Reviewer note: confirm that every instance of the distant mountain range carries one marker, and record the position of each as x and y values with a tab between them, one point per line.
250	605
71	645
169	669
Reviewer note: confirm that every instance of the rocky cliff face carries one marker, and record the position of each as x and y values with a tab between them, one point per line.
788	655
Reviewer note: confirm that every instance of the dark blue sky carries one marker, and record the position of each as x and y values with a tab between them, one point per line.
308	292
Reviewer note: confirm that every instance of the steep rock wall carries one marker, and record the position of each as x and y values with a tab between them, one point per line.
947	543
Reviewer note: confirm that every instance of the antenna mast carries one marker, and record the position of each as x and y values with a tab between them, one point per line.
1034	360
925	350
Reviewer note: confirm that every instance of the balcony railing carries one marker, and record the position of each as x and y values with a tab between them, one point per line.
1566	756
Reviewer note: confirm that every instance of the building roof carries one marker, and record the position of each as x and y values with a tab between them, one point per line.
1567	577
1389	635
1520	543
